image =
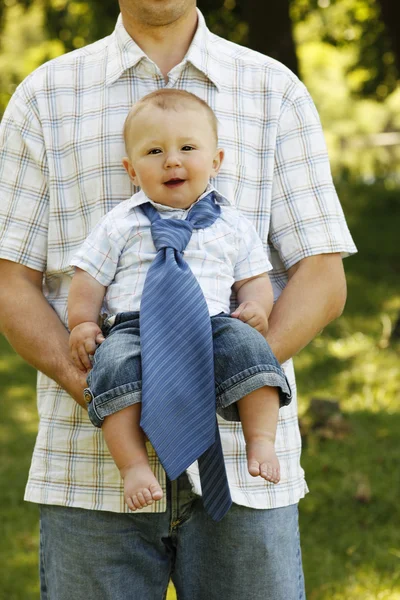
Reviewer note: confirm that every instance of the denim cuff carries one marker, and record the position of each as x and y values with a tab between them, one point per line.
233	389
112	401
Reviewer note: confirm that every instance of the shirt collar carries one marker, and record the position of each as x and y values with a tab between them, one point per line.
141	198
199	53
124	53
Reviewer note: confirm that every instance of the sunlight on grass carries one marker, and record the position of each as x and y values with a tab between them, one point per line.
21	400
349	346
9	362
363	375
364	585
25	558
16	392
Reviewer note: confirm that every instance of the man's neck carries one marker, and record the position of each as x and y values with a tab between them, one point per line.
166	46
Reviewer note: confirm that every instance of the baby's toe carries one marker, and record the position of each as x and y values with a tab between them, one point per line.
129	502
136	501
276	475
141	499
266	471
270	473
254	468
156	491
147	496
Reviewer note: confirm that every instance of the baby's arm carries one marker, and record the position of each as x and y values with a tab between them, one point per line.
84	303
256	299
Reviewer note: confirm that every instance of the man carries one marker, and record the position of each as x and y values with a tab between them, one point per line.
60	172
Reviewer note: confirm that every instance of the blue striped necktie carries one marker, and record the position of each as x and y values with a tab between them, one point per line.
178	387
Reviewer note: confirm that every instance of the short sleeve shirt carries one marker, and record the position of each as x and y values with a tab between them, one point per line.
61	147
120	250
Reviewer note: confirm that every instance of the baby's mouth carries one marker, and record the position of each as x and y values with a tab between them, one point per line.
174	182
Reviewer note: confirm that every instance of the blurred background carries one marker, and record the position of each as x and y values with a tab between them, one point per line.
347	52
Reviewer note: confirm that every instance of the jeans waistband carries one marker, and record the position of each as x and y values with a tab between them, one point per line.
113	320
122	317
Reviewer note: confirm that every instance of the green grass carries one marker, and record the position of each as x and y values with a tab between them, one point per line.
18	519
349	521
351	545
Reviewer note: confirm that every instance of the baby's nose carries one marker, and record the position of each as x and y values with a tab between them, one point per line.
172	159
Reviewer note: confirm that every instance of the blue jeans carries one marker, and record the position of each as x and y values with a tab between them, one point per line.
249	555
243	362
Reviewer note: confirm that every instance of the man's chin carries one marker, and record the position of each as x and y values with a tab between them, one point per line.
156	13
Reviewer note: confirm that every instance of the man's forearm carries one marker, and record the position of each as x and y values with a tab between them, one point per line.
34	330
314	296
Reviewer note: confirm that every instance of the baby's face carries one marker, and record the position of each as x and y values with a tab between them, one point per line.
173	154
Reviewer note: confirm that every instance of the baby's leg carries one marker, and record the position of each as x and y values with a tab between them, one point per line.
259	416
126	443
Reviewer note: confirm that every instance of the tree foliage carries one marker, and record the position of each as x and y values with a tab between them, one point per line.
345	50
372	26
357	24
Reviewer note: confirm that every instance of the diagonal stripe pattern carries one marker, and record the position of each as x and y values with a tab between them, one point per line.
178	388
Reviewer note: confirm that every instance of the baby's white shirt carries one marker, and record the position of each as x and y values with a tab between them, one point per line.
120	249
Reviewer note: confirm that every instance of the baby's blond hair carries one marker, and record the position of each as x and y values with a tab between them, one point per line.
168	99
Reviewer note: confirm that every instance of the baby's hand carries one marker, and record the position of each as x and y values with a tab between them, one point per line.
253	314
83	342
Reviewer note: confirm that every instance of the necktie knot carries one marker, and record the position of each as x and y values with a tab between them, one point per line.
171	233
176	233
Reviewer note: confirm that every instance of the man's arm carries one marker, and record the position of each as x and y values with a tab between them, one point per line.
33	328
314	296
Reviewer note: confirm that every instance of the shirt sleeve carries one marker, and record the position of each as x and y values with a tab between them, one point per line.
252	259
99	253
306	215
24	193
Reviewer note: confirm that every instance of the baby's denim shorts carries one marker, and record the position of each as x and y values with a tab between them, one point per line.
243	362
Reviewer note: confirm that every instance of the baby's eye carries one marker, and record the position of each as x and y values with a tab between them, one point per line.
154	151
187	148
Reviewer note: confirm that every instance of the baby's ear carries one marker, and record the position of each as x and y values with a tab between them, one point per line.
129	169
217	162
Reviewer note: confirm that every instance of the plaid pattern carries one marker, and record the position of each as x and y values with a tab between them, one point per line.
60	171
120	250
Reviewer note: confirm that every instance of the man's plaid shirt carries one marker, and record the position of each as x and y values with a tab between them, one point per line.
61	146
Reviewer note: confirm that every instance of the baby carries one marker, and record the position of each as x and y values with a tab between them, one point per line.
172	152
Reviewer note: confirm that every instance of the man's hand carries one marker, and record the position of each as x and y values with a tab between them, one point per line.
253	314
75	385
83	341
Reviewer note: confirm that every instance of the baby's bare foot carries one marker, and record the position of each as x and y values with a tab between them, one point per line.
141	487
262	460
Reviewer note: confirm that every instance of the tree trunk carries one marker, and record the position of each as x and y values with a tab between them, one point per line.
270	29
390	13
